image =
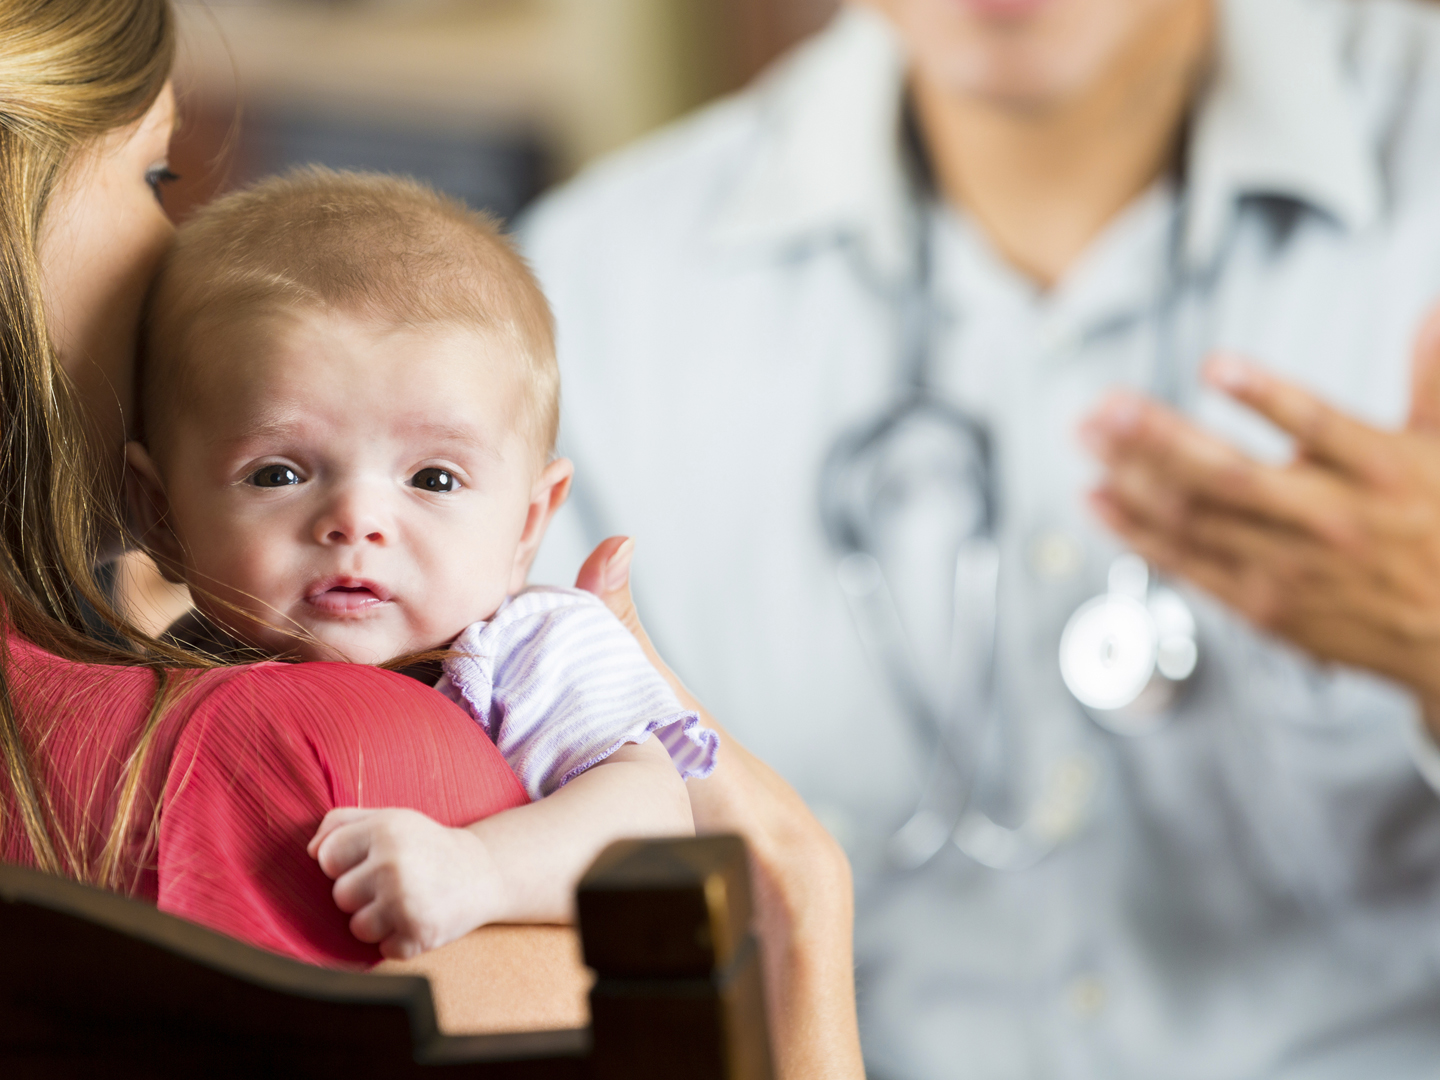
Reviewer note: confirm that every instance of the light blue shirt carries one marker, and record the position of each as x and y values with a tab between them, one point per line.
1252	891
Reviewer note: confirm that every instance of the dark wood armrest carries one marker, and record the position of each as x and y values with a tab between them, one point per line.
94	984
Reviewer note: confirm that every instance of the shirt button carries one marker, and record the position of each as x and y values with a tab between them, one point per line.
1086	995
1055	555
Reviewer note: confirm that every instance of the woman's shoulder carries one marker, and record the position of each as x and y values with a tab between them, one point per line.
352	699
349	705
376	737
353	724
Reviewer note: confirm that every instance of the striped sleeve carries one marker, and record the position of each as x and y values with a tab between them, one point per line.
559	684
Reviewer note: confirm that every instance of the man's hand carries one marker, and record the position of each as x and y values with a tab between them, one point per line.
1338	550
409	883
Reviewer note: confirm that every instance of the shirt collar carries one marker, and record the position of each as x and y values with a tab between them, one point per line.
1277	119
830	163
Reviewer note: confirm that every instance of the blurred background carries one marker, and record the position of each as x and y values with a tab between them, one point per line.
489	100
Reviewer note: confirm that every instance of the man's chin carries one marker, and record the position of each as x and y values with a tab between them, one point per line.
1023	79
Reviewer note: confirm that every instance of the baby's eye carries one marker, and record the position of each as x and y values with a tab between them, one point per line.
434	480
274	476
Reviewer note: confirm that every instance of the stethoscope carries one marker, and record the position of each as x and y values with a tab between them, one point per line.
1125	655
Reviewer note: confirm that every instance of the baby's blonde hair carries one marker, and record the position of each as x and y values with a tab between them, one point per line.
377	246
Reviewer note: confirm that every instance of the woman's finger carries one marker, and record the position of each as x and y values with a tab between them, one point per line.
593	577
606	573
1324	433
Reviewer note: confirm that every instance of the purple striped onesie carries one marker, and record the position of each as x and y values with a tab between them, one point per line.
559	684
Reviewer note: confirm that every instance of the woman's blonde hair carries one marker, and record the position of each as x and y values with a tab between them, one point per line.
70	71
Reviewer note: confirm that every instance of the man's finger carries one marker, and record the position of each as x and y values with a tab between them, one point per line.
1191	465
1322	432
1260	546
1425	376
1230	583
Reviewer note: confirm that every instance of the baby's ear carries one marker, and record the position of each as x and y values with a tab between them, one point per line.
546	497
149	511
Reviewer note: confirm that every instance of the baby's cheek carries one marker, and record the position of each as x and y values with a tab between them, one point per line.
244	569
464	586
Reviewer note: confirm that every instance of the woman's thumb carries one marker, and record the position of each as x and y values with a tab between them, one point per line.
606	573
1425	376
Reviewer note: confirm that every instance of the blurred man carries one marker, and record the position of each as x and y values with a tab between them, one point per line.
887	283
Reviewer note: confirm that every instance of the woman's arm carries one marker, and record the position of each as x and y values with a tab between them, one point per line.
804	898
411	884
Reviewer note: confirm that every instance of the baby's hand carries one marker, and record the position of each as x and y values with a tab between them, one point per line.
408	882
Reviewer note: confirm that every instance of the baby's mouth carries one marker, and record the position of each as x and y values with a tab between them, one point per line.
346	596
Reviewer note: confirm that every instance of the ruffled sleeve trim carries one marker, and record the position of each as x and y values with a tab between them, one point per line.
559	684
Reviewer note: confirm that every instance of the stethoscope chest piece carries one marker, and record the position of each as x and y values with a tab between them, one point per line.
1127	654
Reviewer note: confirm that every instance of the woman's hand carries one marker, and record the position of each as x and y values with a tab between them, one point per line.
1338	550
802	878
408	883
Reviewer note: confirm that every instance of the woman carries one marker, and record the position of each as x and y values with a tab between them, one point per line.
149	770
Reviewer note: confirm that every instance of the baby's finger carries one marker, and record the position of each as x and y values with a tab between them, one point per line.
345	847
372	924
343	815
400	947
355	890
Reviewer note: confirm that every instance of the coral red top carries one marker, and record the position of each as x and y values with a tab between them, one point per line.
244	764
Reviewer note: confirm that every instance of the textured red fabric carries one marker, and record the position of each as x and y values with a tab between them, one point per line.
244	764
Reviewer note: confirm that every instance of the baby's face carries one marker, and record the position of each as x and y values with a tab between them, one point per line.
360	490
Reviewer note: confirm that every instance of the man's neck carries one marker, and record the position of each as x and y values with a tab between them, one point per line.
1043	183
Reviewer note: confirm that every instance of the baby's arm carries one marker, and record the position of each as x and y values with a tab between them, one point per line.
412	884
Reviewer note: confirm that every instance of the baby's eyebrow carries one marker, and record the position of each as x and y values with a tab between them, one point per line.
437	433
261	430
448	433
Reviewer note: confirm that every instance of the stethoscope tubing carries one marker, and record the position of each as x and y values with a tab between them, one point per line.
863	581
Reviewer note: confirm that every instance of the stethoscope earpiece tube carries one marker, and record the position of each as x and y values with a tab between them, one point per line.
1124	655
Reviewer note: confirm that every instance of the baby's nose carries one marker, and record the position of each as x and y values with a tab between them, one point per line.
351	519
340	536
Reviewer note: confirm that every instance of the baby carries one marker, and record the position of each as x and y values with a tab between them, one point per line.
348	404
